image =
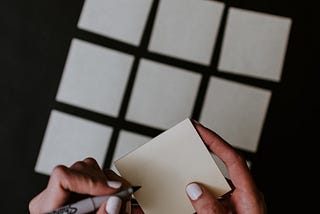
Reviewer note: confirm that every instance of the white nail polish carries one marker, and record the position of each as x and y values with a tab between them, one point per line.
114	184
194	191
113	205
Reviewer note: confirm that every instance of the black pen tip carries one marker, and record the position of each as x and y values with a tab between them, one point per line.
135	188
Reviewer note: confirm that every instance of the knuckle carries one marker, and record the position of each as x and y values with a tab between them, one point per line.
78	165
59	173
90	160
59	170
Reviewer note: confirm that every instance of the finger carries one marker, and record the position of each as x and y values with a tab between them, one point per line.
90	167
202	200
84	168
92	162
64	179
112	176
128	207
62	182
236	165
111	206
102	208
136	209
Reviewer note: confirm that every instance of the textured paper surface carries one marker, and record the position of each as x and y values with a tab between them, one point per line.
254	44
162	95
186	29
166	164
236	111
94	77
69	139
127	142
123	20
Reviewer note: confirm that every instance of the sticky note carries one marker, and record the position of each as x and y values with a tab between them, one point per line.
69	139
236	111
186	29
127	142
94	77
166	164
254	44
123	20
157	85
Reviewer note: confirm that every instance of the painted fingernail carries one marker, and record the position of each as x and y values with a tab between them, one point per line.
113	205
194	191
128	207
114	184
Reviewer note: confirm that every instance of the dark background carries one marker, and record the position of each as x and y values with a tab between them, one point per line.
34	40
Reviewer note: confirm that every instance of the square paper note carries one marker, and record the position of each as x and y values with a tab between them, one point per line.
236	111
94	77
162	95
68	139
186	29
166	164
254	44
123	20
127	142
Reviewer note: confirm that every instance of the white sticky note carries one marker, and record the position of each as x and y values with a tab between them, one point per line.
94	77
162	95
127	142
166	164
123	20
235	111
69	139
254	44
186	29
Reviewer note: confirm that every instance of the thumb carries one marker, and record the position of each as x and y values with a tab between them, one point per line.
202	200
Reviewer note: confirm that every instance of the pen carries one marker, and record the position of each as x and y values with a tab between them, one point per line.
92	203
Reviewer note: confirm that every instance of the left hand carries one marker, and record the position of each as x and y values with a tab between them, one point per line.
82	178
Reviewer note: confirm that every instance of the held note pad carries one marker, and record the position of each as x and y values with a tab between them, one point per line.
166	164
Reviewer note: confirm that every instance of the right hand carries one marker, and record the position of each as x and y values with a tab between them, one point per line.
245	197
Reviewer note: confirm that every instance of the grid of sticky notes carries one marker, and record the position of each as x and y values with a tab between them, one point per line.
95	77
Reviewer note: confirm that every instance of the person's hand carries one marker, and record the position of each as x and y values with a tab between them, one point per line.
244	198
83	178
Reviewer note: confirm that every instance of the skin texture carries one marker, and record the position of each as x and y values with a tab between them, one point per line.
245	197
85	178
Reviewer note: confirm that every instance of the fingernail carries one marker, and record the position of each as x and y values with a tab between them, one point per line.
128	207
114	184
113	205
196	122
194	191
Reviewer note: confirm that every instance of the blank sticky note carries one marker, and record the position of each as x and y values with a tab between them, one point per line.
127	142
166	164
94	77
186	29
236	112
123	20
69	139
162	95
254	44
